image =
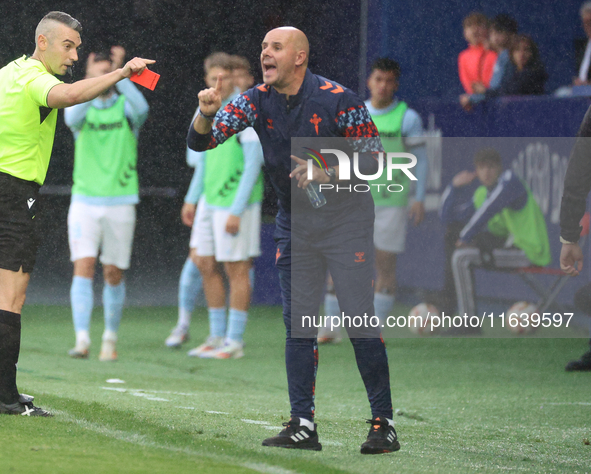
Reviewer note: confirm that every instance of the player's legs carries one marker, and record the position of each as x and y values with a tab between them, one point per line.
118	226
84	237
236	252
389	240
464	260
114	293
215	296
82	302
190	292
301	353
203	256
13	287
13	290
239	276
351	264
462	263
18	249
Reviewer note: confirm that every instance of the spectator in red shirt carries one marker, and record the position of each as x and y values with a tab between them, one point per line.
476	63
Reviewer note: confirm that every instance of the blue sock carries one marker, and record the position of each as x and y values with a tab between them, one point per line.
217	322
236	324
331	305
383	303
190	292
113	299
81	300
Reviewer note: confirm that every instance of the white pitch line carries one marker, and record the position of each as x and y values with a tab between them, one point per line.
254	422
216	412
142	440
568	403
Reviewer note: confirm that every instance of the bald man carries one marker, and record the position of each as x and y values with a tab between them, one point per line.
338	237
29	96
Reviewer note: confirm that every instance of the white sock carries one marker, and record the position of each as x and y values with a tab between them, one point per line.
109	335
307	423
82	337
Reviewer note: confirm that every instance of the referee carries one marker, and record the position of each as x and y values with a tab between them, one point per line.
29	96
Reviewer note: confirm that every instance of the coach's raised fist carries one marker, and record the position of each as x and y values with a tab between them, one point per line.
135	65
210	100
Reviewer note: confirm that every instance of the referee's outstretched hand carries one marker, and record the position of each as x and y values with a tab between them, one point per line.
210	100
135	65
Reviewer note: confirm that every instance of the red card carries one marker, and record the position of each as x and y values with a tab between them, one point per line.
147	79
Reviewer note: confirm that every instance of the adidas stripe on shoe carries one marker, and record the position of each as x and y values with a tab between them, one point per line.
295	436
382	437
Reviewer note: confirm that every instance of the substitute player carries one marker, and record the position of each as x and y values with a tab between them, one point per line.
29	96
228	186
401	130
104	196
293	102
190	283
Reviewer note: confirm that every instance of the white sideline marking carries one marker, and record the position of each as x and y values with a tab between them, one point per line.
569	403
267	469
216	412
161	392
188	408
149	397
273	428
115	381
254	422
142	440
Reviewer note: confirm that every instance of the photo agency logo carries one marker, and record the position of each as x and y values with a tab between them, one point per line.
389	165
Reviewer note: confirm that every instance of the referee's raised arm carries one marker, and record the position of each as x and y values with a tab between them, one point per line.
66	95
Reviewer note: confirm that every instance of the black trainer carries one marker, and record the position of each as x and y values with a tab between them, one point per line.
24	407
382	438
295	436
583	364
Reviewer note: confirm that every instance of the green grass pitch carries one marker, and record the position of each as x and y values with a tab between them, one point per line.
463	405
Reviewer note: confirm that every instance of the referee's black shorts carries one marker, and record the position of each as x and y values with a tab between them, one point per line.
19	238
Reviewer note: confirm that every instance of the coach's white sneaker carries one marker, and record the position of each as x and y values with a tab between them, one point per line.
108	351
210	345
178	336
230	350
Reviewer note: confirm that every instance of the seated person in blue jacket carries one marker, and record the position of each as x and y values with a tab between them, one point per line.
506	228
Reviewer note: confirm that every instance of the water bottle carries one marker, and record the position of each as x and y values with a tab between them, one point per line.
316	198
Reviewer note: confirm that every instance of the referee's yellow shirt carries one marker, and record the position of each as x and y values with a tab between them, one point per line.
27	125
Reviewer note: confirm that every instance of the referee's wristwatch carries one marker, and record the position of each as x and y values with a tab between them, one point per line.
332	174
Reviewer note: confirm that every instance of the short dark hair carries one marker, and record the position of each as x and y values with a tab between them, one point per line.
386	65
64	19
102	56
488	156
504	23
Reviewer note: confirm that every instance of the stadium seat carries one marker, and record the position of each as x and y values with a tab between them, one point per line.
548	293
